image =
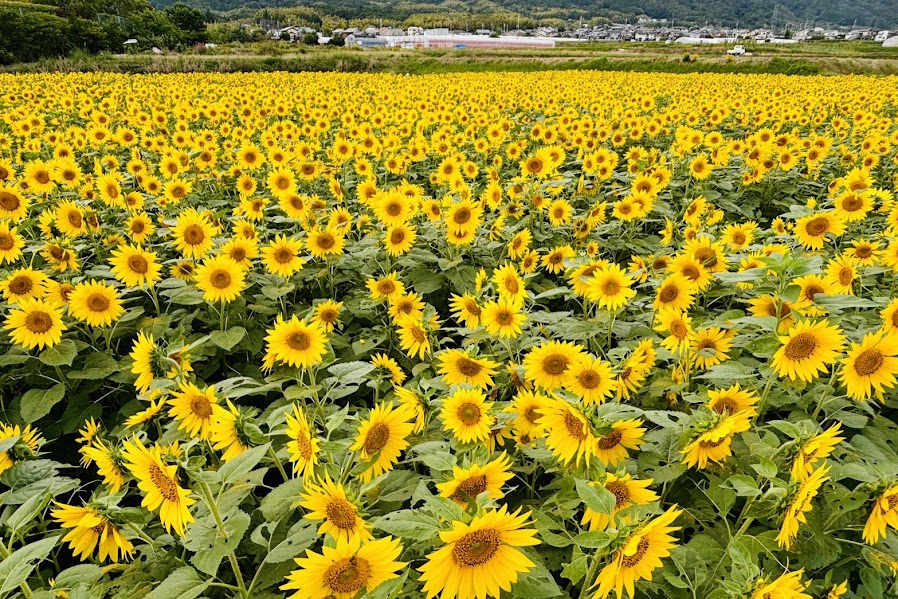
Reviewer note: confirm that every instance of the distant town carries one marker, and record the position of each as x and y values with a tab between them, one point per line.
644	30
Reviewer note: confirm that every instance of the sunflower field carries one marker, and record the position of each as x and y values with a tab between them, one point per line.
566	334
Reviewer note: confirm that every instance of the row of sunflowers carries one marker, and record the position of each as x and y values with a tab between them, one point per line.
562	334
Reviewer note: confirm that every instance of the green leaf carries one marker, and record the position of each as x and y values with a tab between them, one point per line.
235	469
212	545
300	536
575	569
594	539
80	574
228	339
15	569
96	366
744	486
37	403
26	512
183	583
409	524
351	372
596	497
61	354
279	502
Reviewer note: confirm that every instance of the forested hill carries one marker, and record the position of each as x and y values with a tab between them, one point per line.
866	13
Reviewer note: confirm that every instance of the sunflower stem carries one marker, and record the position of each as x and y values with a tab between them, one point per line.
590	574
277	461
213	509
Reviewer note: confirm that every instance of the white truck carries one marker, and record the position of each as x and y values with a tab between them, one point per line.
737	51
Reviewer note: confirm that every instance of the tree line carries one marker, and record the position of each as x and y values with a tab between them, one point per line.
32	31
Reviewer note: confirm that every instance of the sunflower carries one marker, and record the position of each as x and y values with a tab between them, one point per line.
479	559
548	365
509	284
381	439
871	365
96	303
465	414
739	235
392	208
611	448
678	326
467	311
639	556
38	177
569	435
399	239
60	256
35	324
159	483
519	244
70	219
809	286
554	260
811	231
385	287
24	284
193	234
676	292
241	251
526	409
183	270
295	342
610	287
220	279
192	408
817	448
281	181
467	483
841	274
327	315
11	243
29	440
787	586
591	380
406	305
347	568
463	217
13	205
710	254
853	206
884	513
889	317
710	346
863	252
458	368
390	366
281	256
690	268
808	349
413	337
502	318
303	443
732	400
90	529
799	505
325	243
226	431
134	266
327	501
109	463
627	492
713	444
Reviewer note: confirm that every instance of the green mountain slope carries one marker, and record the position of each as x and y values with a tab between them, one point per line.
867	13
